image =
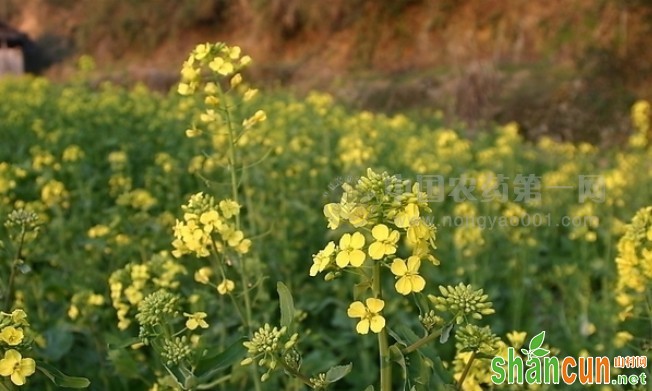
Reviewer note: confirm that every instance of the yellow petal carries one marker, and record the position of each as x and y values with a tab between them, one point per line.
377	323
6	367
398	267
345	241
412	211
342	259
413	264
357	257
314	269
356	310
402	220
389	248
17	378
393	237
376	250
380	232
362	327
418	283
357	240
375	305
329	249
403	285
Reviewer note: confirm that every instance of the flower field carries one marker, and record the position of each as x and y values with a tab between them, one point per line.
225	238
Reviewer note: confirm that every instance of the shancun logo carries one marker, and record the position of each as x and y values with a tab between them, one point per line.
539	368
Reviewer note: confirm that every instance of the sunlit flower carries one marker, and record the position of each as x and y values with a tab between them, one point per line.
19	368
322	259
409	279
385	243
350	250
11	336
369	314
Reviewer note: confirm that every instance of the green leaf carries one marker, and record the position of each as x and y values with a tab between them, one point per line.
540	352
61	380
398	338
445	333
337	372
537	340
216	360
419	371
286	303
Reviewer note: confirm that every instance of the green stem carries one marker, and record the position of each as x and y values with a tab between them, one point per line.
234	194
383	344
423	341
467	368
14	266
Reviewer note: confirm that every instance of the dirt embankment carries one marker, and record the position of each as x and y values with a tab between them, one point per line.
556	66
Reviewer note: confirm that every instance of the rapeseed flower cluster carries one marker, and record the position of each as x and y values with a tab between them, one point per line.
640	115
268	346
129	285
13	339
208	226
634	264
382	210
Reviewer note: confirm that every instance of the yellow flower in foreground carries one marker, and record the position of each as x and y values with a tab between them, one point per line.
322	259
11	335
409	278
385	243
14	365
369	314
350	250
196	320
226	286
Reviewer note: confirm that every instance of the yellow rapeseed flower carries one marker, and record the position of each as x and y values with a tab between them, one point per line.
11	336
332	212
350	250
14	365
203	275
409	279
225	287
196	320
322	259
385	243
369	314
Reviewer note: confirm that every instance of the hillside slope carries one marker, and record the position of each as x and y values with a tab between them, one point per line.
557	66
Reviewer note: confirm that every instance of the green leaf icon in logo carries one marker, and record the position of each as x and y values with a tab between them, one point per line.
535	349
540	352
537	341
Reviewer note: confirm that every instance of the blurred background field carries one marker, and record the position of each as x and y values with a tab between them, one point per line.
98	149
